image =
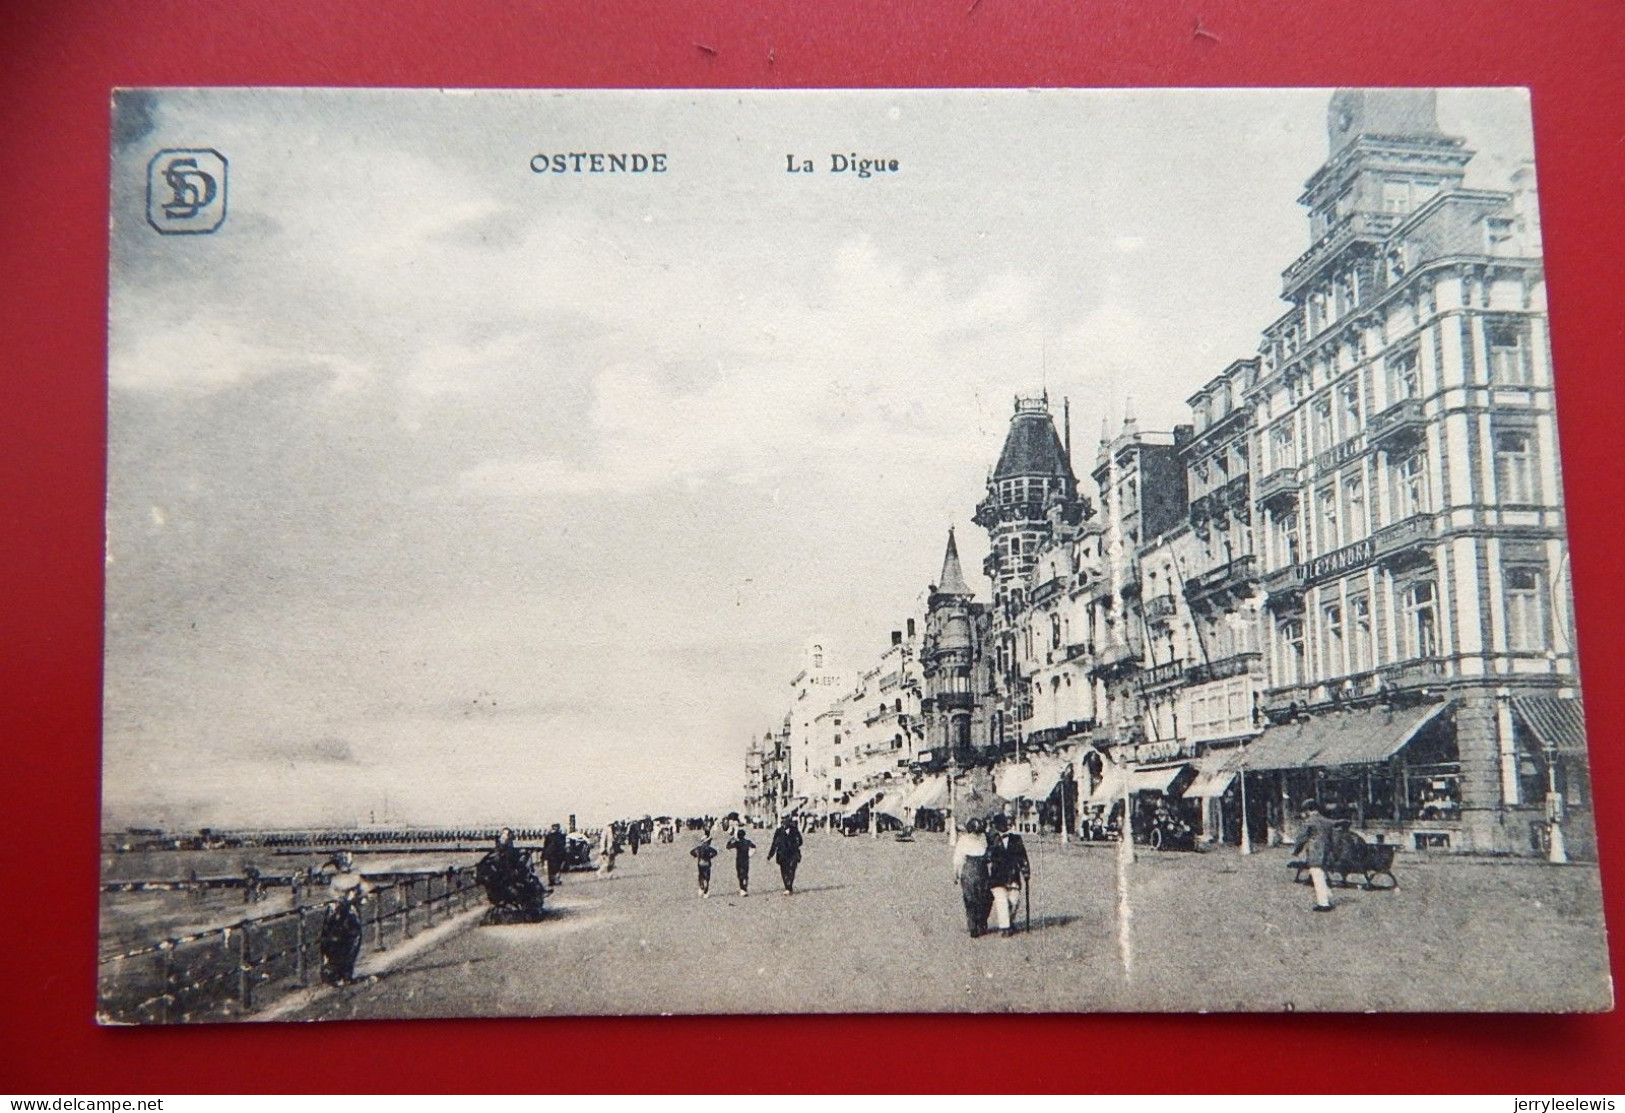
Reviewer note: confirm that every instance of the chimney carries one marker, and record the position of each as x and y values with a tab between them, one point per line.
1066	426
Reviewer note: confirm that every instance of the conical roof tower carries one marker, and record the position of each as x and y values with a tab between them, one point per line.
1033	474
952	580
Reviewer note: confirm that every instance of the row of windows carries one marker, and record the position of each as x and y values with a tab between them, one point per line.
1342	513
1508	352
1347	641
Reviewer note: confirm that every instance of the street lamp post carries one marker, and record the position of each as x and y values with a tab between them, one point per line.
1246	831
1556	850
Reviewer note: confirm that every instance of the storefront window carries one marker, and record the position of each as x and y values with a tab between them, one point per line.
1433	792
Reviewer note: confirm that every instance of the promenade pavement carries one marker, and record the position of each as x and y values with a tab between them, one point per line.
876	925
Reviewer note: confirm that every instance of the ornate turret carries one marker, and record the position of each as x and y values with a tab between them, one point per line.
952	580
955	629
1387	158
1031	488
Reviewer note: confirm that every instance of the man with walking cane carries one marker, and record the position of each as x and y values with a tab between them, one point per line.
1008	872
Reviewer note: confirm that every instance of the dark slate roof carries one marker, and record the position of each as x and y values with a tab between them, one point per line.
1032	448
952	581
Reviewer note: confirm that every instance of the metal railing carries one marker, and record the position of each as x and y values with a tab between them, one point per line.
224	972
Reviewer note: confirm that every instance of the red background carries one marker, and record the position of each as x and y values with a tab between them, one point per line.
58	62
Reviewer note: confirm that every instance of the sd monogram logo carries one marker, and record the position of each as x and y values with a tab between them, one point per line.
186	191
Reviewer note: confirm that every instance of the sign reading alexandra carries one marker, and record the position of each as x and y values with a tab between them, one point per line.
531	513
1357	555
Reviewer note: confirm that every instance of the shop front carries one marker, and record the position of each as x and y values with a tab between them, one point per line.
1393	772
1553	771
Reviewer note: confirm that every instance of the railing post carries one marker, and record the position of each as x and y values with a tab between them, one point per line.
406	911
166	978
245	974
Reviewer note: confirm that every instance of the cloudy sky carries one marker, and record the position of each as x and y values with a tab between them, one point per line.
444	490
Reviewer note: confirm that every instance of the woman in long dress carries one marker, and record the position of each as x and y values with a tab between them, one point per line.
970	871
341	929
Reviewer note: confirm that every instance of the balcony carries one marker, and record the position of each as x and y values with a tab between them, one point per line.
1169	672
1223	668
1355	226
1224	500
1045	590
1400	422
1279	484
1078	649
1113	657
1407	539
1416	673
1239	571
1285	581
1160	608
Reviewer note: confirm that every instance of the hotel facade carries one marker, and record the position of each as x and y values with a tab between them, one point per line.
1345	579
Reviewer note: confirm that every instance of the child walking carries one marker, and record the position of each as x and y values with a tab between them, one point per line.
702	856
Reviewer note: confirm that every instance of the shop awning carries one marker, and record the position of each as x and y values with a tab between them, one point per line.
800	802
1555	722
1215	773
929	793
861	800
1047	773
1155	779
1033	779
890	804
1358	737
1014	779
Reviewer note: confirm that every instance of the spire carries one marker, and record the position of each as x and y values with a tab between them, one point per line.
952	580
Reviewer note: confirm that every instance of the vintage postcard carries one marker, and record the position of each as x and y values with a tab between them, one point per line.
730	552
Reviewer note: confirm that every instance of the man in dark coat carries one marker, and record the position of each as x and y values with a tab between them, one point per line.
1007	871
786	851
1315	845
555	850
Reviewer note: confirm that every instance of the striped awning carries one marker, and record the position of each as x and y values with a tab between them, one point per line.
891	804
863	799
1215	773
929	793
1351	737
1558	723
1159	778
1033	779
